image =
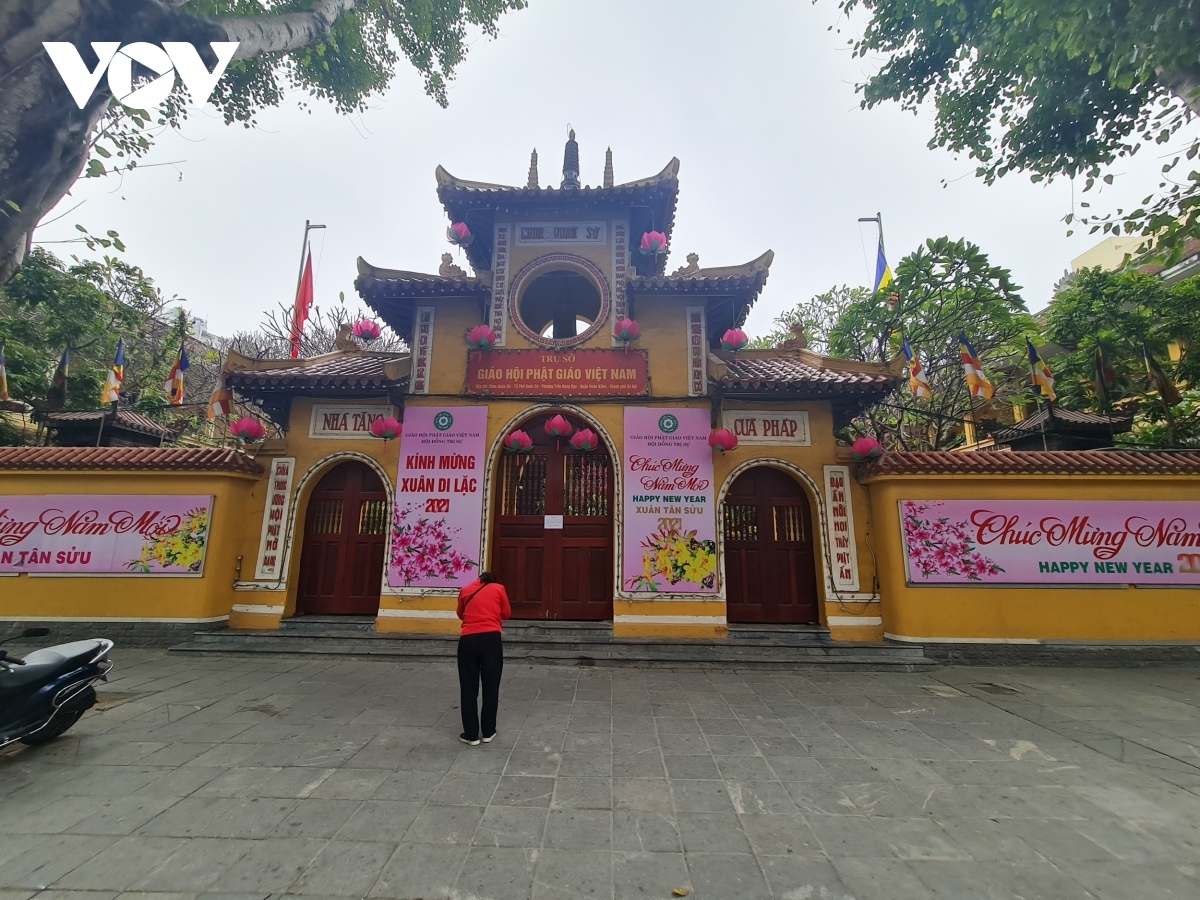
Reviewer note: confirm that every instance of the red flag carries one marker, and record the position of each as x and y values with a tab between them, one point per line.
304	299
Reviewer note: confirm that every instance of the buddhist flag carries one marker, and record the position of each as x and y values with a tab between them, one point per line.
918	381
883	272
1043	378
973	369
173	386
3	376
1160	380
220	403
58	384
304	299
111	391
1104	379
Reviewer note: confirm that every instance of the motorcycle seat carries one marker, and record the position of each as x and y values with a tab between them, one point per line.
46	664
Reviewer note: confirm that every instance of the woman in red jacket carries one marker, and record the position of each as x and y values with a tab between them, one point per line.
481	606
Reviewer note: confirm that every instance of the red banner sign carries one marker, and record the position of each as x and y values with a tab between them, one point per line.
578	373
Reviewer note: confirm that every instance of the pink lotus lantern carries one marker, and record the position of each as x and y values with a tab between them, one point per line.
247	430
518	442
585	439
865	448
386	427
626	331
723	439
558	427
654	243
367	330
481	338
459	235
734	339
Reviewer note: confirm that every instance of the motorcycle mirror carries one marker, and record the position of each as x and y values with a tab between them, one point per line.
35	632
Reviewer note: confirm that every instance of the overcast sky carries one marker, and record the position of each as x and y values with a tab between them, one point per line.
756	99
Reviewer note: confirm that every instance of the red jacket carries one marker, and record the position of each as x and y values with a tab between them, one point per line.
489	604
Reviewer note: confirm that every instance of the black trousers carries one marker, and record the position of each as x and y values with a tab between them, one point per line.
480	656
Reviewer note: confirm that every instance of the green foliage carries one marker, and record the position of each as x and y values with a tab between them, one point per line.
814	318
944	287
87	307
1051	87
355	62
1120	312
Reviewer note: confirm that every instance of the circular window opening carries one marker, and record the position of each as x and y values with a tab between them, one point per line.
559	306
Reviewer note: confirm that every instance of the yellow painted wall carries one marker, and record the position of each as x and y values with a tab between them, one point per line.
131	597
314	458
1047	613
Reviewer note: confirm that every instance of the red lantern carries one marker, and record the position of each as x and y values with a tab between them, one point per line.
481	338
654	243
585	439
518	442
558	427
734	339
627	331
459	235
723	439
367	330
386	427
866	448
247	430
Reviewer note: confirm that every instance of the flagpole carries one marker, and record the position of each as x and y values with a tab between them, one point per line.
308	226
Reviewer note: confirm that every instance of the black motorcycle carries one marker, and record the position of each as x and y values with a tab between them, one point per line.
47	691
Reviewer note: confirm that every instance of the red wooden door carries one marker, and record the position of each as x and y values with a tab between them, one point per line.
345	534
770	567
553	573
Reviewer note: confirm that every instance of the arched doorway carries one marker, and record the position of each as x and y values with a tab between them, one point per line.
770	566
557	572
345	535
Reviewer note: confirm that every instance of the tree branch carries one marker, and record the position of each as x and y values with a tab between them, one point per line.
258	35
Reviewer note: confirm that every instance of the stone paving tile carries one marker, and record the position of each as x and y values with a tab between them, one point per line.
233	779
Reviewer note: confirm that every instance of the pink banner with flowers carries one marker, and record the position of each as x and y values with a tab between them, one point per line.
1038	542
670	540
437	528
99	534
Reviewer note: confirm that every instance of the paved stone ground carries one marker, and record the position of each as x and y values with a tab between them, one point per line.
254	778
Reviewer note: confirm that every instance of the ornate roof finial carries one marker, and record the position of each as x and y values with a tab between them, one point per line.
608	172
571	162
533	173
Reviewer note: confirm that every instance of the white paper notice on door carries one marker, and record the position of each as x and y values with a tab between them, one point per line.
553	523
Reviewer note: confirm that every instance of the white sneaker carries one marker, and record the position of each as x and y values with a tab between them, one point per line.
491	737
470	742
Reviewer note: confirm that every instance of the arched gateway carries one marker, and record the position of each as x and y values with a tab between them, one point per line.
345	534
555	569
770	566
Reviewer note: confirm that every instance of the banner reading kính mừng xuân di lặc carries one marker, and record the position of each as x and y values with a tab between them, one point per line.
1054	542
437	528
100	534
670	528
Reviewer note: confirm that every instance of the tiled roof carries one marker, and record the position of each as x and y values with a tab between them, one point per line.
652	200
806	373
126	418
743	283
1043	462
1056	418
141	459
339	371
399	283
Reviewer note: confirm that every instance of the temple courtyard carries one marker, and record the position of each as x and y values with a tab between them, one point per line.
252	777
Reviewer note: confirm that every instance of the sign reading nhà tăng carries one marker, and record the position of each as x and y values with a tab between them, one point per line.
574	373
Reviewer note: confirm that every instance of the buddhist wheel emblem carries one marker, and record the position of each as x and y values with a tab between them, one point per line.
443	421
667	424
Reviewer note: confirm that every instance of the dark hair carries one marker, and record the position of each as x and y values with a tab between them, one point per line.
487	577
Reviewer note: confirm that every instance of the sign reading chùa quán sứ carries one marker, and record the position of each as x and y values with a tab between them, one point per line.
573	373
